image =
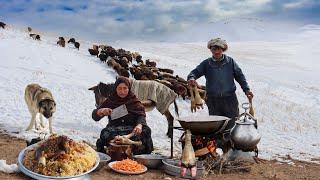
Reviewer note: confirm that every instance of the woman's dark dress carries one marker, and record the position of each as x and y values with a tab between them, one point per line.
125	125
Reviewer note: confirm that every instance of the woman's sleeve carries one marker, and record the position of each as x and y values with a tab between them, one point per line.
95	115
94	112
141	120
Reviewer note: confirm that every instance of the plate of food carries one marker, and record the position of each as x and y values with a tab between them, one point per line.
128	166
58	157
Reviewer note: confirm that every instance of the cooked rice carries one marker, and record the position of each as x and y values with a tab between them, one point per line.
80	158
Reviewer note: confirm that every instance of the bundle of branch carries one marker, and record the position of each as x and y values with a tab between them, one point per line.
215	165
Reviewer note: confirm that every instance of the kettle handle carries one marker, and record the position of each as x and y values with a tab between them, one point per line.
247	114
255	123
250	116
246	106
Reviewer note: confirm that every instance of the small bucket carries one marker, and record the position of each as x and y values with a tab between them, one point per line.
119	152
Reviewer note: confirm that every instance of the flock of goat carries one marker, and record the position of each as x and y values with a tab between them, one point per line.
122	62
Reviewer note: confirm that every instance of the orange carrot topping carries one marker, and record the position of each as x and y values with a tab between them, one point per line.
128	165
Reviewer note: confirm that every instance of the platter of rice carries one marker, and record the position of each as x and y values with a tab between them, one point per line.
58	157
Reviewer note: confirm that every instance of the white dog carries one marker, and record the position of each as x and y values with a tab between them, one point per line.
39	100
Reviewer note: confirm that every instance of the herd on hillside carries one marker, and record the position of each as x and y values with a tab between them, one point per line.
122	61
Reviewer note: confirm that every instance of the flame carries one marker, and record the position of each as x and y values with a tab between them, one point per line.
203	141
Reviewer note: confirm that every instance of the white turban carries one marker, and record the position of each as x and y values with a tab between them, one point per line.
218	42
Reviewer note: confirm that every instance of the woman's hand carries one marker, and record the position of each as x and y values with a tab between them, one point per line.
138	129
104	112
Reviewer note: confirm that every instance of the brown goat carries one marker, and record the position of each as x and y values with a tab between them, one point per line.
136	72
121	52
94	52
110	51
180	89
180	79
72	40
77	45
128	55
35	36
151	63
120	70
95	47
61	42
112	63
2	24
123	62
166	70
102	47
139	59
134	55
166	75
103	56
124	72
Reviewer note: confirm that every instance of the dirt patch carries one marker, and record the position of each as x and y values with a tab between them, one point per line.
10	148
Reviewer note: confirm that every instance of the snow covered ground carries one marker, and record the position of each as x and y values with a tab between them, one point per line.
284	77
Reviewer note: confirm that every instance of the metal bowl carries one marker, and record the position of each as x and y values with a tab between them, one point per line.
40	176
104	159
203	124
172	167
152	161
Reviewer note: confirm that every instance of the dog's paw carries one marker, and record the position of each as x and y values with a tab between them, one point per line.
41	127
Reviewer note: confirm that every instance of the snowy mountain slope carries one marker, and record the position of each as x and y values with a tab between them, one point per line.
283	77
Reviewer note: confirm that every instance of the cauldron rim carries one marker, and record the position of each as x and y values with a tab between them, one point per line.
204	124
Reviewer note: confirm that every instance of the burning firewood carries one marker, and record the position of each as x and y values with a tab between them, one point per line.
203	146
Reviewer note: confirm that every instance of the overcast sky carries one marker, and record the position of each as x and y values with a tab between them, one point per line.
153	19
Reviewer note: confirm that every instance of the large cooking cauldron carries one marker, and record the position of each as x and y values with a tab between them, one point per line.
204	124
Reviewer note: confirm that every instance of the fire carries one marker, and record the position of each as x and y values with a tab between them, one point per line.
201	142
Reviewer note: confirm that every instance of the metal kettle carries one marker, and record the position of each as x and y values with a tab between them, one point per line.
245	135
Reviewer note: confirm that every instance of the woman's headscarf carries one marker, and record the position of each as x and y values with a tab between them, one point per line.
131	101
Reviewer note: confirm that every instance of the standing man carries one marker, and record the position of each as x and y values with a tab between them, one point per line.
220	72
